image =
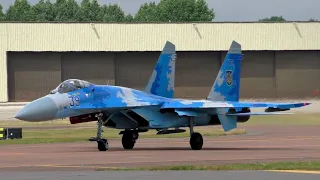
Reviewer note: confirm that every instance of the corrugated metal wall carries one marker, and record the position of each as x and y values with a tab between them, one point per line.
265	74
152	36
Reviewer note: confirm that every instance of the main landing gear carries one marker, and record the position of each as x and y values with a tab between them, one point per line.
196	140
129	137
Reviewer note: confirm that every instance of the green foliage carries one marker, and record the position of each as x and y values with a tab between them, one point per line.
302	166
44	11
63	131
184	11
313	20
113	13
273	19
2	17
175	11
148	12
66	10
92	11
129	18
21	10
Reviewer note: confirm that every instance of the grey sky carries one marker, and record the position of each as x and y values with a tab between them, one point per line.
236	10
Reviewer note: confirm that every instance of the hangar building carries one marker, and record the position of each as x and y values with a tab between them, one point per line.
281	60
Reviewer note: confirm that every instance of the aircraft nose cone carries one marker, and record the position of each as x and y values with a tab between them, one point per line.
39	110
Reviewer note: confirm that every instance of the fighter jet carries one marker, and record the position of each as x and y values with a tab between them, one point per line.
136	111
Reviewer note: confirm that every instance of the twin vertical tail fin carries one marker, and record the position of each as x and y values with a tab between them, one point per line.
227	84
161	82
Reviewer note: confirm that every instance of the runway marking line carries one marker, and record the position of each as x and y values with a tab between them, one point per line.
296	171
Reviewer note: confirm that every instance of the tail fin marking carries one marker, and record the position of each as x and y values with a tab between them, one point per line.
227	84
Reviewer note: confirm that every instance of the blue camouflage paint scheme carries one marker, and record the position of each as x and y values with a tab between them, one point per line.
156	98
162	79
227	84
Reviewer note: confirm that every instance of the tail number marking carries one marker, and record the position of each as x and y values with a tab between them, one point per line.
75	100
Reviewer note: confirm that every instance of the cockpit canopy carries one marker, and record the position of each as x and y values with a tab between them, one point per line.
71	85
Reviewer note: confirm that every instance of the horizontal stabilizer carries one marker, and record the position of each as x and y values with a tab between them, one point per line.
228	123
257	114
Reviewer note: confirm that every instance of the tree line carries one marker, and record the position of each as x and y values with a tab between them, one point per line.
92	11
280	19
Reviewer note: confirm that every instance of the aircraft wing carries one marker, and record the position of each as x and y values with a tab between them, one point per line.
228	118
205	104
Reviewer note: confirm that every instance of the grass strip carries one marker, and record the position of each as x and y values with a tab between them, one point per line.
302	165
82	134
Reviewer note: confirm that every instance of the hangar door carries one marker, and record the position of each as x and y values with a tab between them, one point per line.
95	67
133	69
195	73
32	74
297	73
258	75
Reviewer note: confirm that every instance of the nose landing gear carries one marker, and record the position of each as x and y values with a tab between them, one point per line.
129	137
103	144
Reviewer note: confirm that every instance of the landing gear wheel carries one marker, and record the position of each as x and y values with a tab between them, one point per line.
196	141
103	145
129	139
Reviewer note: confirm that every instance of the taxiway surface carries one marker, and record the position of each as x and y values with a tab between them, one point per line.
261	144
185	175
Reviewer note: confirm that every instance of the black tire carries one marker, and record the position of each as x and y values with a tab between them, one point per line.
102	145
196	141
128	140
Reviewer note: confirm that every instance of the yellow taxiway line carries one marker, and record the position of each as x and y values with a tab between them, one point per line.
296	171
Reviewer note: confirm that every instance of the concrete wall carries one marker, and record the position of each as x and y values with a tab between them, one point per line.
265	74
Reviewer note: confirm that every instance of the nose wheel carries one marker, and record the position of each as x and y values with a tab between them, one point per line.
196	140
103	144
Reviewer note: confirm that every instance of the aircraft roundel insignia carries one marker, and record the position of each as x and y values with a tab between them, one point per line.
229	77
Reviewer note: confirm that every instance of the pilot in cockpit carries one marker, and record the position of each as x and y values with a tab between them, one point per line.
70	85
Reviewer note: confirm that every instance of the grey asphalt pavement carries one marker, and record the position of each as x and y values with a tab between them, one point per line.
159	175
8	112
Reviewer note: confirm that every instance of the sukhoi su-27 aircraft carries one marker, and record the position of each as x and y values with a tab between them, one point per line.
136	111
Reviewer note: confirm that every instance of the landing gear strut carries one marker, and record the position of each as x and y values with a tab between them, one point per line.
196	140
102	143
129	139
